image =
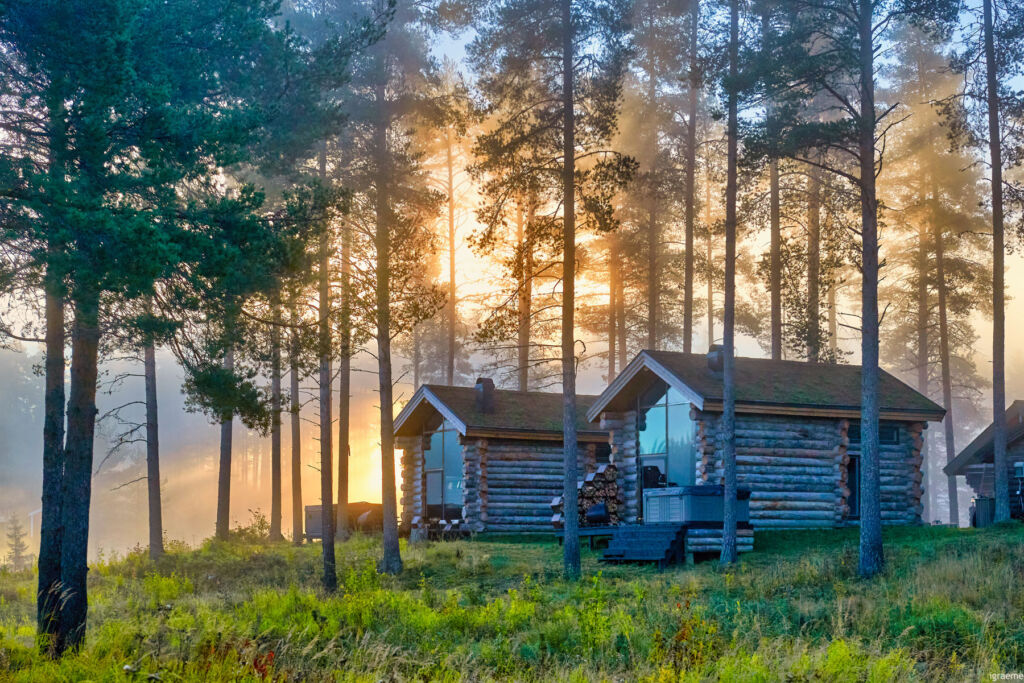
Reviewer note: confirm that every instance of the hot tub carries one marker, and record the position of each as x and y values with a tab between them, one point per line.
680	504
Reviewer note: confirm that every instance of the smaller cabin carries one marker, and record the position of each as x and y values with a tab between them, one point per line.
797	438
976	461
487	459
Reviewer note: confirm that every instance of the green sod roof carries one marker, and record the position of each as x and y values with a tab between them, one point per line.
764	384
531	411
793	383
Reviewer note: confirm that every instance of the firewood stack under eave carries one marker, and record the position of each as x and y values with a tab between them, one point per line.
597	487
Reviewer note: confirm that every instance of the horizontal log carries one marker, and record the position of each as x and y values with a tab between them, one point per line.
792	514
781	461
544	518
792	523
759	507
761	495
788	452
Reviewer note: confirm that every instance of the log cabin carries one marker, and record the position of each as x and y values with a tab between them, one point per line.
797	438
975	462
485	459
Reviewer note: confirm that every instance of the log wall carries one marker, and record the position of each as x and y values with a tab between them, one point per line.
508	484
795	467
981	478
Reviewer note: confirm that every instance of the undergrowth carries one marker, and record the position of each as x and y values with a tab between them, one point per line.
948	607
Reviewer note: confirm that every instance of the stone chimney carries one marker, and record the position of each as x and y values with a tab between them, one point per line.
716	358
484	394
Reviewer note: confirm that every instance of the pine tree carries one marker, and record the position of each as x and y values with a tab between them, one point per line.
17	549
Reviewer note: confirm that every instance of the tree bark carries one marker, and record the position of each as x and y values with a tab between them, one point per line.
275	421
50	524
330	576
729	550
947	379
571	542
922	344
774	217
813	264
51	517
691	177
613	286
1002	481
871	556
295	408
833	321
524	301
451	257
710	246
156	524
391	562
77	484
344	382
224	474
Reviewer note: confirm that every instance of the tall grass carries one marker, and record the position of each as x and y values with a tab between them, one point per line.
949	607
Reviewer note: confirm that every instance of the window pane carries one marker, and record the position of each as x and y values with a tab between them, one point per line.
681	451
652	437
432	456
433	493
675	397
452	469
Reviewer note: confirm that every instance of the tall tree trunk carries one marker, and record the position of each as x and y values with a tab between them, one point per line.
295	408
871	556
947	379
344	382
710	253
775	260
156	523
1002	481
224	473
922	341
613	286
50	524
653	231
652	280
813	264
451	257
691	177
571	543
416	356
275	421
620	316
774	218
330	577
524	302
51	529
729	550
391	562
77	488
833	321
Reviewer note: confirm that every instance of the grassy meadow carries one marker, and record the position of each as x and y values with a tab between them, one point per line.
949	607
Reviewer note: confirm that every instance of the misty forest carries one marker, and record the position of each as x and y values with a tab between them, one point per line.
511	340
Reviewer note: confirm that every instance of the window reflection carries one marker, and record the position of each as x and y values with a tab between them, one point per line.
443	473
666	438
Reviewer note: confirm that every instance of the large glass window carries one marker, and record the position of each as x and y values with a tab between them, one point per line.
442	469
665	439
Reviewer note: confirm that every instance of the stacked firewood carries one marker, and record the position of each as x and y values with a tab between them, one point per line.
596	488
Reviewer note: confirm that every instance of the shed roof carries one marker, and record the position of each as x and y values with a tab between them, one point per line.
517	414
765	386
981	449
